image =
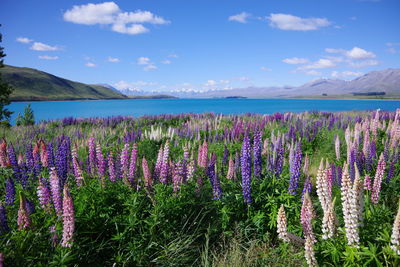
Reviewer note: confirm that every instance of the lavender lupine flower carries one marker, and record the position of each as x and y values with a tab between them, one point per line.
56	191
132	164
395	238
337	147
164	165
3	220
37	164
225	156
10	192
111	168
295	166
212	175
77	168
148	180
68	219
30	207
23	221
44	196
307	187
306	216
101	162
257	154
124	161
352	162
246	170
13	161
92	153
185	163
157	168
177	177
62	161
282	224
231	169
50	156
380	171
367	183
390	172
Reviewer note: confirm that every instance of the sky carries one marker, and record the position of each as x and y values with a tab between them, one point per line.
187	45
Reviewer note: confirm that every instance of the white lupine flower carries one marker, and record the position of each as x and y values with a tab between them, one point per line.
395	238
282	224
309	252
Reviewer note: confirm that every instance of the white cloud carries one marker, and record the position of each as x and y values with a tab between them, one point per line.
109	13
166	62
313	72
149	67
214	83
345	74
294	23
90	65
355	53
143	61
322	63
363	64
113	59
38	46
48	57
265	68
295	60
242	17
24	40
210	83
133	86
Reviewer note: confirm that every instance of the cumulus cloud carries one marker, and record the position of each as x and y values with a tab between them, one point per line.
109	13
294	23
345	74
48	57
241	17
90	64
150	67
295	60
322	63
38	46
24	40
146	62
113	59
354	53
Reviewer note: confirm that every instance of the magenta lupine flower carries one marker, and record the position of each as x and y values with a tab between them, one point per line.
148	180
246	169
380	171
157	167
55	191
165	164
204	155
101	162
23	221
77	169
44	196
367	183
111	168
132	164
68	219
124	160
92	153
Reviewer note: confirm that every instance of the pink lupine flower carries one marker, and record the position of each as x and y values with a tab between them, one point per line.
337	147
44	196
111	168
44	157
68	219
204	155
380	171
367	183
157	168
77	168
148	180
23	221
4	160
55	191
165	164
306	216
125	164
231	169
132	164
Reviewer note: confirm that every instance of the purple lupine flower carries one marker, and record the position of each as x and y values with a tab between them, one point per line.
3	220
351	162
257	154
157	168
77	168
101	162
212	175
225	156
295	166
55	191
177	176
50	156
185	163
390	172
132	164
124	161
68	215
367	183
29	157
44	196
246	170
13	161
279	152
307	188
30	207
306	216
62	162
148	180
23	221
10	192
367	152
164	165
111	168
92	153
23	174
37	164
380	171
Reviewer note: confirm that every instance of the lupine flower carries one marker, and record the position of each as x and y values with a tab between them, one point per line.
56	191
376	188
307	188
204	155
92	153
68	219
77	168
337	147
212	175
148	180
101	162
246	170
367	183
50	156
3	220
132	164
282	224
43	154
4	160
395	238
29	157
231	169
257	154
322	187
225	156
309	252
306	165
44	196
185	163
111	168
37	164
177	177
164	165
124	161
157	168
306	216
191	169
10	192
358	198
13	161
295	165
329	222
23	221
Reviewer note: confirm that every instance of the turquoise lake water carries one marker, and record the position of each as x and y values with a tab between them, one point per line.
139	107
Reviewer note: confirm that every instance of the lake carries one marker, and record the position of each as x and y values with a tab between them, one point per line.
139	107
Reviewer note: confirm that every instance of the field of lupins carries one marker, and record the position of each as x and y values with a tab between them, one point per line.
314	188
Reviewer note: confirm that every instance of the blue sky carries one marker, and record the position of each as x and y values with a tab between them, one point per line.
202	45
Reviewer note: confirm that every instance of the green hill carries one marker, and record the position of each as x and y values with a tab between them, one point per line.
34	85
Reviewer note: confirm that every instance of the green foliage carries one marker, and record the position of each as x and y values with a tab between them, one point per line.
5	90
27	119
